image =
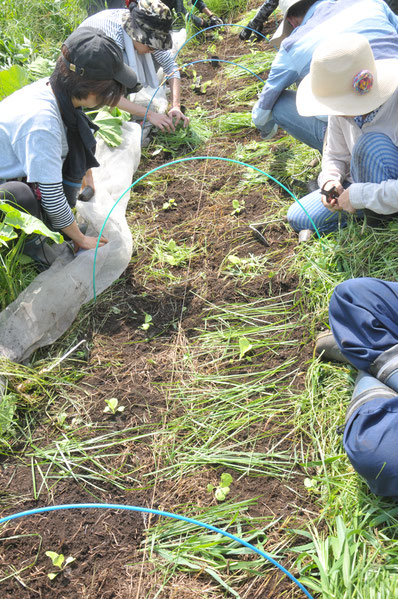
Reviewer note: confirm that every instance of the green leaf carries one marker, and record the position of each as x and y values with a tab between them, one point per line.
234	259
52	575
210	488
225	479
12	79
221	493
112	404
6	233
27	223
7	411
69	560
245	346
56	558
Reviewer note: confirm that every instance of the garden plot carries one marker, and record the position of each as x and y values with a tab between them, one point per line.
198	372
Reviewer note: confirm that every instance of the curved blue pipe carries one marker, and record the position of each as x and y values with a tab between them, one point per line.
255	168
133	508
167	77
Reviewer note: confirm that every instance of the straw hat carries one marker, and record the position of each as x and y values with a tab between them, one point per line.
345	79
284	29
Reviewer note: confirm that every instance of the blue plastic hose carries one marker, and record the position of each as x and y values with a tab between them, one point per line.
187	160
133	508
167	77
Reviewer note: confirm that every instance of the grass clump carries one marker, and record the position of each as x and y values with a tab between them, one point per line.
184	141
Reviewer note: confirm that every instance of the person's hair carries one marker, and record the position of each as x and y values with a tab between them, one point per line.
107	92
300	8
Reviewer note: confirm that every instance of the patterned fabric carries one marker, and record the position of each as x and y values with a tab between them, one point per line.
149	22
110	22
363	82
368	118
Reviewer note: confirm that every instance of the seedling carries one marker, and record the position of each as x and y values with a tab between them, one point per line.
112	406
59	561
222	490
245	347
171	204
238	207
147	322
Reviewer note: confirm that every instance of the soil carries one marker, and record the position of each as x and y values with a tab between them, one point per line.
135	366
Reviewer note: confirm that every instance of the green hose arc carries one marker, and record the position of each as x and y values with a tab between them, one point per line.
154	170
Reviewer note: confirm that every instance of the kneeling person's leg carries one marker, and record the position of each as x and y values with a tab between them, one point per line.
21	196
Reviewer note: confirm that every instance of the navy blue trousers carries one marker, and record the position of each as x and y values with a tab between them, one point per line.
363	316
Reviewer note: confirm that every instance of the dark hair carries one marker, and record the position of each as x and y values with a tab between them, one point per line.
300	8
108	92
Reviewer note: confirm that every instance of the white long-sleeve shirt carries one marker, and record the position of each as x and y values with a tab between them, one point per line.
343	133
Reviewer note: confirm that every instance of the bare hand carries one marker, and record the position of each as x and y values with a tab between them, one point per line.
89	243
161	121
332	203
176	116
344	202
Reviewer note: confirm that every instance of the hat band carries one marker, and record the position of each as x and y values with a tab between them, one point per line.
363	82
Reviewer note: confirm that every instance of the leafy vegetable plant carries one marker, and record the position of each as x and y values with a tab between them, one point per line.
112	406
147	322
59	561
223	488
171	204
238	207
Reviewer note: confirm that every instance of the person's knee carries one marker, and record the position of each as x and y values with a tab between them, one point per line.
282	108
20	195
369	440
348	291
365	146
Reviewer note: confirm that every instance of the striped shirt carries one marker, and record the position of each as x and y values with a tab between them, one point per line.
110	22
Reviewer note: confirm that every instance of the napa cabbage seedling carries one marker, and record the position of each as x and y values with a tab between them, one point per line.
223	488
238	207
59	561
171	204
112	406
147	322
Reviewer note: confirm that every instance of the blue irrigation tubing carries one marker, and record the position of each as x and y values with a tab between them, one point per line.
187	160
134	508
187	65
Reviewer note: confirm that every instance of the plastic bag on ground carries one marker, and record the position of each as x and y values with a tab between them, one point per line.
46	309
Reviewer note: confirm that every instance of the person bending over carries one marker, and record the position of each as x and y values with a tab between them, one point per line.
364	322
304	28
360	162
143	33
47	142
264	12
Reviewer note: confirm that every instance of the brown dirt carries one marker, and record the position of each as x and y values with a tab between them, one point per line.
134	365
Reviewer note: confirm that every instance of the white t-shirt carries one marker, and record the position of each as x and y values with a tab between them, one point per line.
32	135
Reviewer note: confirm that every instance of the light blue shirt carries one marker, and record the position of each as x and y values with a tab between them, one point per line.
324	19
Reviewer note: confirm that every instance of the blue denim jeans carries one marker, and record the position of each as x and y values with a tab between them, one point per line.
309	130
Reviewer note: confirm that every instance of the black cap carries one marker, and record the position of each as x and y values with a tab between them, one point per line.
96	56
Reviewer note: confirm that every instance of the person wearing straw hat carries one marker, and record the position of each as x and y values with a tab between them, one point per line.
360	163
143	32
364	323
299	35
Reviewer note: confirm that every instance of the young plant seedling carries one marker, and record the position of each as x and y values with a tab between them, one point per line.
238	207
222	490
58	561
112	406
171	204
244	347
147	322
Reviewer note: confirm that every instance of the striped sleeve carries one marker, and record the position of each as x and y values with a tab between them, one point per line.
55	205
164	58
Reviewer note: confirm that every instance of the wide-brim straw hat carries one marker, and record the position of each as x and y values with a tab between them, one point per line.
284	29
345	79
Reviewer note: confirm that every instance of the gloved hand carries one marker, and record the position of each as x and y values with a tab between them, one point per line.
214	20
246	34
